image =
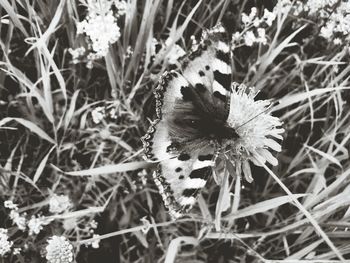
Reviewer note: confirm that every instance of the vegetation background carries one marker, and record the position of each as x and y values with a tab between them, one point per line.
71	121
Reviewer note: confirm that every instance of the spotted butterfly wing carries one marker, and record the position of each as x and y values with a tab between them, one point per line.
176	139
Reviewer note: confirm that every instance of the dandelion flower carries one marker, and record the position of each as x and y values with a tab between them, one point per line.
59	204
257	130
59	250
5	245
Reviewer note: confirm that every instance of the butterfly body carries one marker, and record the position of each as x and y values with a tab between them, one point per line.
192	107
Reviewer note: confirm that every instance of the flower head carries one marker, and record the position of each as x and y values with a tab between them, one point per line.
35	224
102	30
59	250
59	203
18	219
256	128
5	245
10	205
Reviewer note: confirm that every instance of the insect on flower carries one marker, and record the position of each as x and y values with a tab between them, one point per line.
199	113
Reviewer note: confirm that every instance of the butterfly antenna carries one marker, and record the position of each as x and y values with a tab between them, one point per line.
276	103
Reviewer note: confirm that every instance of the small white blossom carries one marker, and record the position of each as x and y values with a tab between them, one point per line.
5	245
249	38
327	30
93	224
98	114
283	7
261	36
96	243
337	41
257	130
76	53
59	204
18	220
122	7
269	17
59	250
249	19
316	5
10	205
35	224
245	19
102	31
99	7
17	250
70	223
253	12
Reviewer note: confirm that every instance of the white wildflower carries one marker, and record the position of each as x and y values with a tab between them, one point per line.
59	204
256	22
91	57
18	220
249	19
245	19
102	30
95	243
10	205
122	7
93	224
269	17
256	128
76	53
261	36
70	223
316	5
253	12
236	37
35	224
17	250
59	250
98	114
327	30
99	7
337	41
5	245
249	38
283	7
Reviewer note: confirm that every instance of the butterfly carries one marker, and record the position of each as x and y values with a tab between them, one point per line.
192	106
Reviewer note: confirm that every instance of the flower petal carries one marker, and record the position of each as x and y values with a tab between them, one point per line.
247	172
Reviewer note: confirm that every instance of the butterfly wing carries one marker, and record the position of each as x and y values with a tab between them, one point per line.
181	179
182	173
180	176
209	67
